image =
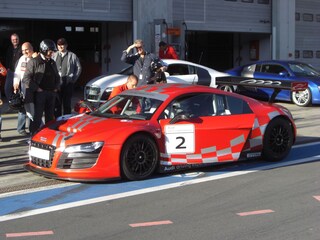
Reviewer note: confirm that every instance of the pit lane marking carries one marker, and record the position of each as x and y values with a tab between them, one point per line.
11	211
258	212
317	197
148	224
28	234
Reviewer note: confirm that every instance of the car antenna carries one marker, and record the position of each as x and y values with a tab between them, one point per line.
200	58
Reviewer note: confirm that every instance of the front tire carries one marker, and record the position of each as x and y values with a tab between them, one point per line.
139	157
302	98
277	140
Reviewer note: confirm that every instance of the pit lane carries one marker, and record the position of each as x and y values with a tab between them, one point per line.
13	149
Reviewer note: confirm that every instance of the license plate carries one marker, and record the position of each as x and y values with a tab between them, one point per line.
40	153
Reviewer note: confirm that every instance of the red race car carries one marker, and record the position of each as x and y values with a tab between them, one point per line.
163	128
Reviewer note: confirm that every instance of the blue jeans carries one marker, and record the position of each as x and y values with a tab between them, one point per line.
21	121
0	116
8	86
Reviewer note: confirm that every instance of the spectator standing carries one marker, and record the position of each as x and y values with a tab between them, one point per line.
14	52
69	68
42	81
166	51
141	62
27	51
3	72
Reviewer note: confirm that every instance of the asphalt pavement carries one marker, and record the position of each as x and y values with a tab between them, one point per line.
14	148
14	153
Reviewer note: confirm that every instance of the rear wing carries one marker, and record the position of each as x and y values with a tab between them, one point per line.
277	85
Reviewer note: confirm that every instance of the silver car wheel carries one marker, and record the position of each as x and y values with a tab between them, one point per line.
302	98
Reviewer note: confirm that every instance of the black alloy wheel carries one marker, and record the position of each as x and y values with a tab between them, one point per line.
277	140
139	157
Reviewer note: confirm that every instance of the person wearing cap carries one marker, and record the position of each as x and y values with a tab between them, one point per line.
42	82
166	51
69	68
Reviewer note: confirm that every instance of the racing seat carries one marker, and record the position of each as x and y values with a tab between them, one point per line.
220	106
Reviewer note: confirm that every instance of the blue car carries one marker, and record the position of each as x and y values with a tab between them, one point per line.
281	70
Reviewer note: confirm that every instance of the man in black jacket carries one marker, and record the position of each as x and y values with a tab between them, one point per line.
42	81
14	52
141	62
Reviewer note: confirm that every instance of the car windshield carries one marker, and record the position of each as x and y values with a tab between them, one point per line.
128	107
304	70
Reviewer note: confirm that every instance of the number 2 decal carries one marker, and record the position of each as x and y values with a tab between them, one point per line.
180	146
180	138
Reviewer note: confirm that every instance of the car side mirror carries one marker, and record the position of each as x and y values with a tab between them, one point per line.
178	117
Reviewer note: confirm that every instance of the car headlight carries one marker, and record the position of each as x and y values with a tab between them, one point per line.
80	156
85	147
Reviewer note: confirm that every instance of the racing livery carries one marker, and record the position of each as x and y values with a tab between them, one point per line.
163	127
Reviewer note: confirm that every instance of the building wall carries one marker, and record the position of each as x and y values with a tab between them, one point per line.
307	22
283	29
224	15
103	10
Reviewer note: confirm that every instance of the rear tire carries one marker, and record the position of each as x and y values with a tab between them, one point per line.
139	157
277	140
226	88
302	98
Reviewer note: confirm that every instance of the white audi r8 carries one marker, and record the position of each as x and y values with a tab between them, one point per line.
178	71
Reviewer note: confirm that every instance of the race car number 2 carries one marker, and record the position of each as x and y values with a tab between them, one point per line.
180	138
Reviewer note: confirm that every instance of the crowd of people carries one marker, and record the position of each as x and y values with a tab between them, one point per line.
46	79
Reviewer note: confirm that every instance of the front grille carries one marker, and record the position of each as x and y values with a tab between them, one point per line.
92	93
43	162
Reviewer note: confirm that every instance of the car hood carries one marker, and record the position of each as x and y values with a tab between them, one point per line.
105	81
93	124
87	128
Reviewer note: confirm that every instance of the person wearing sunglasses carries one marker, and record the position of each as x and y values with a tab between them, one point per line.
141	61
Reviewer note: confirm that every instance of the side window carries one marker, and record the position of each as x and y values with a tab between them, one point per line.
228	105
193	106
249	69
205	104
178	69
237	106
274	69
192	69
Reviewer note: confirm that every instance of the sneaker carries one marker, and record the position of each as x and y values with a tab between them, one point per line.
23	133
